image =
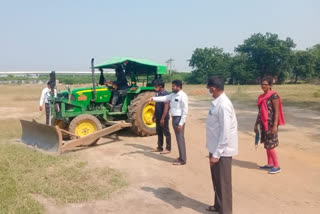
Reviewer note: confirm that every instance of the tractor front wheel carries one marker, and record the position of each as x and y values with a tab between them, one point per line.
83	125
141	113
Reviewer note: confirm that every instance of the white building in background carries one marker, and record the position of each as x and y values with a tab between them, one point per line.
35	74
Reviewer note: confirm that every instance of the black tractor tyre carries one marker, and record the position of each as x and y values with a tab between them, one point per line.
135	116
82	118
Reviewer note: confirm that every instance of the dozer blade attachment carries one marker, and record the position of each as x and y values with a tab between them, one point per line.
48	138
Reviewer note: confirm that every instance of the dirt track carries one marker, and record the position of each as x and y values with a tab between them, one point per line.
156	186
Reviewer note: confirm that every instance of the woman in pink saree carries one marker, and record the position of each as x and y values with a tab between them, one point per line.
270	116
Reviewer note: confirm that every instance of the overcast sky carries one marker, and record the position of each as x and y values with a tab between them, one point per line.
65	35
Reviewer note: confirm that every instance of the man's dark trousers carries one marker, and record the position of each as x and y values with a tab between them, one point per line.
180	138
47	106
222	184
163	131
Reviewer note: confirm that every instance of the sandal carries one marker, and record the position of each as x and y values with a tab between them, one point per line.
178	162
212	209
165	152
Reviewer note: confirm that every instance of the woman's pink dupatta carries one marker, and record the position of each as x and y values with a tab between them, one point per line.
262	102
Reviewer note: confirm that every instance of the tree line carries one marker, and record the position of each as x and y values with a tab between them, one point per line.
258	56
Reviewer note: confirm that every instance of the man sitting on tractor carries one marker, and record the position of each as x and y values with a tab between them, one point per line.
120	86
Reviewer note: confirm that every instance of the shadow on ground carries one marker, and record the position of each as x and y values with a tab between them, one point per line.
126	132
245	164
146	150
102	142
176	199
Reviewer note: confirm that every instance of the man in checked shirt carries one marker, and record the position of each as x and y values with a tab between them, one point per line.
178	110
161	116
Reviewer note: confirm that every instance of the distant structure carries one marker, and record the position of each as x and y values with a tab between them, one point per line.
169	65
35	74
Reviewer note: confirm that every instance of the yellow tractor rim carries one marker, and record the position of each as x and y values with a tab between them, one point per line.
147	114
84	128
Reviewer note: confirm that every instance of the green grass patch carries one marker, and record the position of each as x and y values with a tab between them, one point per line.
65	179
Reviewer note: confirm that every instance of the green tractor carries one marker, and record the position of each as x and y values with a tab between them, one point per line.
84	111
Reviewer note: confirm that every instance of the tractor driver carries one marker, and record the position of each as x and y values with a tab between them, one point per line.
120	85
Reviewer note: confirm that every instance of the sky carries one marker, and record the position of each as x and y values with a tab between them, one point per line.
66	34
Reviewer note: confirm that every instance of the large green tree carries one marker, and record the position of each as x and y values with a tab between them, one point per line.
209	61
315	51
303	65
267	55
240	70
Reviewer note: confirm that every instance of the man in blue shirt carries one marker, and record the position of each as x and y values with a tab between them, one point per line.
161	116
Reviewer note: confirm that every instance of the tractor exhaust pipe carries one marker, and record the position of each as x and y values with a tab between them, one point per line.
93	81
52	94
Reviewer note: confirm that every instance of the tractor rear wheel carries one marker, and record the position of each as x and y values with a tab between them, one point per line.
140	114
83	125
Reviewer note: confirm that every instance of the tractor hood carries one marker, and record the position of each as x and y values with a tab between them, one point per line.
138	66
87	90
86	94
80	90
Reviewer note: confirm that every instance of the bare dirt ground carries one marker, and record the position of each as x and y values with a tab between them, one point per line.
156	186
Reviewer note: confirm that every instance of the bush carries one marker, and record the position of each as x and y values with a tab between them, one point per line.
183	76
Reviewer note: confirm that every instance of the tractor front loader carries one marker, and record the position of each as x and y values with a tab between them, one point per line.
81	116
49	138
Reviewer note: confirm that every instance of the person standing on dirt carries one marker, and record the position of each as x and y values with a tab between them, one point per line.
178	110
45	97
120	85
269	117
161	116
222	144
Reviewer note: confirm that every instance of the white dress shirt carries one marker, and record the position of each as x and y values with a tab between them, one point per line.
178	104
222	128
45	94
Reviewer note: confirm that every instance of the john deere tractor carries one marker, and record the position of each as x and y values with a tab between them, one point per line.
83	111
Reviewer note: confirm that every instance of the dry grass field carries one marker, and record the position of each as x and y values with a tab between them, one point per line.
85	178
26	174
304	96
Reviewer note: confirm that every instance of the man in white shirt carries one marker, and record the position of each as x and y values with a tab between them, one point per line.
45	98
178	110
222	144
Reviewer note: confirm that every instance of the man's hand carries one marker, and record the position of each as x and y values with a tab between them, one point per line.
162	123
213	161
179	128
40	108
149	100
